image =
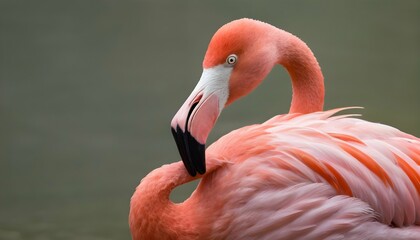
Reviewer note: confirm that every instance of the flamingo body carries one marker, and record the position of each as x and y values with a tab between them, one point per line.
303	175
314	179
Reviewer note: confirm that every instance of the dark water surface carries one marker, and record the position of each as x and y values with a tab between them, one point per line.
88	88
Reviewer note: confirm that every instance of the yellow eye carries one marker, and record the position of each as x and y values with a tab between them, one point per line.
231	59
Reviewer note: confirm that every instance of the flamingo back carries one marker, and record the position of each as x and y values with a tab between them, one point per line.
315	176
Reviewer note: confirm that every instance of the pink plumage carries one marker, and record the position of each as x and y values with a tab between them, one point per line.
308	174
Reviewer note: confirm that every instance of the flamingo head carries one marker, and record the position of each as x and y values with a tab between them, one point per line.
238	58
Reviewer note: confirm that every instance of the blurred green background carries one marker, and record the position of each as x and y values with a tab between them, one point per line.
88	89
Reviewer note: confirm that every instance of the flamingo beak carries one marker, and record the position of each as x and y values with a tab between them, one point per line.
190	128
193	122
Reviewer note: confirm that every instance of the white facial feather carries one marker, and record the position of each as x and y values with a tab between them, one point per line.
215	80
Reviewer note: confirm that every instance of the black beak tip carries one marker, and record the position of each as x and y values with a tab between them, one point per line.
192	152
182	149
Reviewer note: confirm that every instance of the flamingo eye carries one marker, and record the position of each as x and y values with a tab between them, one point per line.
231	59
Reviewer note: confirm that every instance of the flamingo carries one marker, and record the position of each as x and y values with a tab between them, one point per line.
308	174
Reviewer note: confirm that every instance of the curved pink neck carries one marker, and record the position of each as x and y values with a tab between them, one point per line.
303	68
152	214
